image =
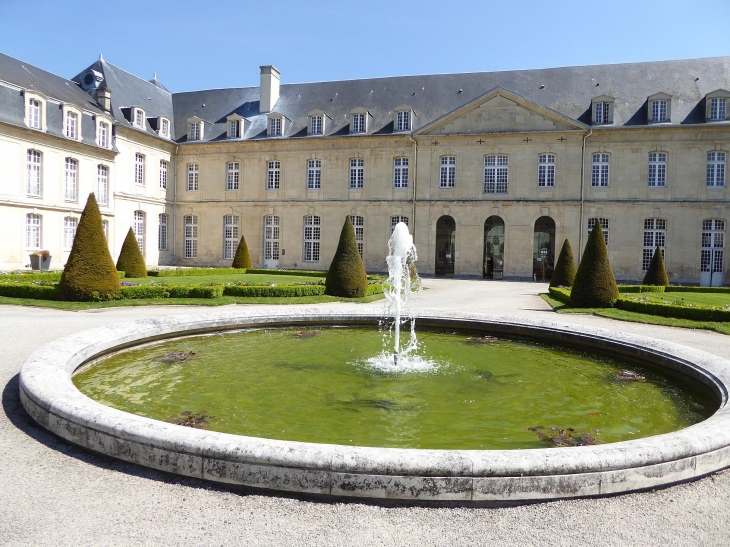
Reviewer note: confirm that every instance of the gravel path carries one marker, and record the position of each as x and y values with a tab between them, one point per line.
53	493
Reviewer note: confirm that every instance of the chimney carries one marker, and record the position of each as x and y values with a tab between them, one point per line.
104	98
269	89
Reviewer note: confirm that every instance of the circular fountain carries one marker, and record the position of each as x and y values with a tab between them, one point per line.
379	471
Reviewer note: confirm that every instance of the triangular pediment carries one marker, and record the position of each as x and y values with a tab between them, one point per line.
500	111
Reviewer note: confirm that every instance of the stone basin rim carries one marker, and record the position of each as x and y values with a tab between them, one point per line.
51	398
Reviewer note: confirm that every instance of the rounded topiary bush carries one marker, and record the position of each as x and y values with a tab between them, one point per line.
594	285
656	274
564	272
346	276
242	258
130	260
89	271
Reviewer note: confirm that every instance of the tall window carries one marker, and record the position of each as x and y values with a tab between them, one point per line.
604	226
496	171
448	172
603	112
138	229
72	122
394	220
655	234
718	108
162	233
165	127
34	114
358	223
105	227
273	175
70	179
191	237
713	243
657	169
400	173
546	170
69	232
233	132
314	174
230	236
102	184
34	173
192	177
358	123
139	169
163	174
599	174
274	127
139	118
659	111
271	237
357	173
194	132
103	135
32	231
315	125
311	238
232	176
403	121
716	168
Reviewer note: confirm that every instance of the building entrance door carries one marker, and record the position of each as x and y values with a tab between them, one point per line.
493	264
445	246
271	241
543	249
712	258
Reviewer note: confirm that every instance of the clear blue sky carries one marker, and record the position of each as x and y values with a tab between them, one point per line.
197	44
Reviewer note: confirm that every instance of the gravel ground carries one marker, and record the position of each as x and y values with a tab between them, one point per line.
53	493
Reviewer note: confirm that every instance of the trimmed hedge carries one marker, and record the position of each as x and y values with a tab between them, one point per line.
193	291
277	291
306	273
144	291
695	313
697	289
34	292
187	272
53	277
562	295
642	288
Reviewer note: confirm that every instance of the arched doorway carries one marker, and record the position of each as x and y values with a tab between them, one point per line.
543	249
493	265
445	246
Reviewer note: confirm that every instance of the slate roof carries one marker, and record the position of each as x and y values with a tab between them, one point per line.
568	90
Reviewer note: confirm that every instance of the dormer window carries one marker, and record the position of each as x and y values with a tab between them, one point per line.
237	126
659	108
717	105
138	118
34	114
358	120
602	108
403	116
35	106
164	125
317	122
195	129
71	122
275	127
103	133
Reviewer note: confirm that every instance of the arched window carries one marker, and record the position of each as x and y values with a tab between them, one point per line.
312	228
230	236
34	114
191	237
138	229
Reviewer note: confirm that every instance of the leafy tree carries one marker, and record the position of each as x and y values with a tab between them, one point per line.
242	259
89	271
594	285
346	276
564	273
130	260
656	274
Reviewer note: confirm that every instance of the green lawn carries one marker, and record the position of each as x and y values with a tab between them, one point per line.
622	315
226	278
717	300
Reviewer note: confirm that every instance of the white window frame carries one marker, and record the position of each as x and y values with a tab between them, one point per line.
400	173
164	127
496	174
657	177
605	225
102	184
138	227
35	110
273	174
358	223
447	172
316	125
70	224
193	178
230	236
312	234
138	118
139	168
276	126
357	174
600	170
602	113
41	100
716	168
105	228
233	175
163	175
655	233
34	170
395	219
102	134
718	109
712	253
358	124
659	111
233	129
546	170
272	233
403	120
70	179
195	132
162	232
190	236
314	174
33	231
72	125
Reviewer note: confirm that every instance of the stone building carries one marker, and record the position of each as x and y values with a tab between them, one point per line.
491	171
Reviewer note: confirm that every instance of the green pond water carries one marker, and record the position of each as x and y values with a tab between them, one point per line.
316	385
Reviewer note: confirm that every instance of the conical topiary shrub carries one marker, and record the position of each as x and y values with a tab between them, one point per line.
594	285
346	276
89	271
242	259
130	260
564	272
656	274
